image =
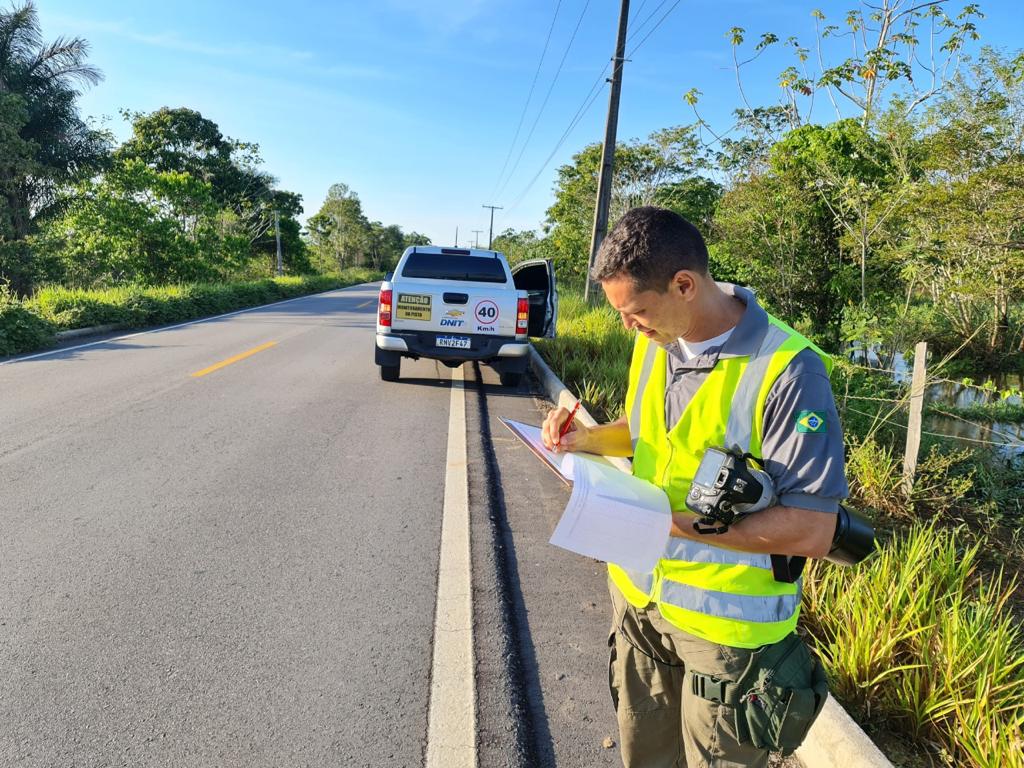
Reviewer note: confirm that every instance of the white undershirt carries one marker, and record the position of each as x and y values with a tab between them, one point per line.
690	349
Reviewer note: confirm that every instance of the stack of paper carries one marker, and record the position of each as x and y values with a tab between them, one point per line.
611	516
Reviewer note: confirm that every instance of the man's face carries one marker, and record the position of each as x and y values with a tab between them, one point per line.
661	317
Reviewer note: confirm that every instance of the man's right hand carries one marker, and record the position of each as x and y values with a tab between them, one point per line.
571	440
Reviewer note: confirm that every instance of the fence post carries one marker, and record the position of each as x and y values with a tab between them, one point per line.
914	423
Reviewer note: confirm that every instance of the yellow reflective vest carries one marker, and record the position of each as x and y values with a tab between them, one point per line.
722	595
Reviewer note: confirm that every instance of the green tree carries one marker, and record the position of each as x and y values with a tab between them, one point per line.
643	171
182	140
777	237
964	222
410	239
523	245
137	224
386	244
340	230
49	144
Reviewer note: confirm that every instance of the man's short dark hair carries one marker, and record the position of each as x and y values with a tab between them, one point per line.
649	245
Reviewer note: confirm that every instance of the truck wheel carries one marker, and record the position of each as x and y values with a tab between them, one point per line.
390	372
510	379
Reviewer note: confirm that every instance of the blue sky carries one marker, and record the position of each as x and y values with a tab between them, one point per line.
415	104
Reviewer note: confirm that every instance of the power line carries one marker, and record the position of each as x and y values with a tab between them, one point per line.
547	96
655	27
529	96
636	28
584	107
588	101
636	12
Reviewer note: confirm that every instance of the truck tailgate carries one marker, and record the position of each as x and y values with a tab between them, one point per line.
429	305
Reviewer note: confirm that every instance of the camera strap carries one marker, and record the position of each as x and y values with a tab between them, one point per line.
787	569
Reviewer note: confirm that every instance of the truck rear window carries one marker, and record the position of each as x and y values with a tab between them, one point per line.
447	266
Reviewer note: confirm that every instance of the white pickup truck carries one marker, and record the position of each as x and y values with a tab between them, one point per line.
459	304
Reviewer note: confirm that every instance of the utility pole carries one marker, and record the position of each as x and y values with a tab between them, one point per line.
604	184
456	235
490	233
277	235
476	240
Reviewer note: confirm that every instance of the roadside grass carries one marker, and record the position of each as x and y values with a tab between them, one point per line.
30	324
591	349
923	641
919	641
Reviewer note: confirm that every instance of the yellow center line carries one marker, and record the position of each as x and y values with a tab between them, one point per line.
235	359
365	304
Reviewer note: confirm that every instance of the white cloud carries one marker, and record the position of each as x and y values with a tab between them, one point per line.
302	60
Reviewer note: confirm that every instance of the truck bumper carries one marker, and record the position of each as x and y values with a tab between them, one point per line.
497	349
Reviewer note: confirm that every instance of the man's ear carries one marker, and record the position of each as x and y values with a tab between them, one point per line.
684	284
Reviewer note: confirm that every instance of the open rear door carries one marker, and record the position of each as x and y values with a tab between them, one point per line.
537	278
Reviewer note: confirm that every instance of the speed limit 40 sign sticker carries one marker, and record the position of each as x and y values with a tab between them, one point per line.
486	313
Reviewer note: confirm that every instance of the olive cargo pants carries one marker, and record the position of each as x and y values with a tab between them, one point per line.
663	723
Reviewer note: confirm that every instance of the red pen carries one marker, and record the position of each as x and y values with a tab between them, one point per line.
568	423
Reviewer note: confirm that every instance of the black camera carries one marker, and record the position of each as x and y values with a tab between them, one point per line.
726	488
853	540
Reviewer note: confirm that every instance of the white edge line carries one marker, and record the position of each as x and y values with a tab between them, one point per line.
172	327
451	719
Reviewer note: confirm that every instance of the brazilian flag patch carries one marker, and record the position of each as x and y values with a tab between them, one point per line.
811	421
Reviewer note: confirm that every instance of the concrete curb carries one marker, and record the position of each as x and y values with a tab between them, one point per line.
74	333
834	739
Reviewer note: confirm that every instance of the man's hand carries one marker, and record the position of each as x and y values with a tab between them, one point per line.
610	439
571	440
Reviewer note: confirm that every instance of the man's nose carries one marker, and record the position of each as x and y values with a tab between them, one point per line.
627	321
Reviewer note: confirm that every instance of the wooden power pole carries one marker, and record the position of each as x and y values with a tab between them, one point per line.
604	183
490	233
277	236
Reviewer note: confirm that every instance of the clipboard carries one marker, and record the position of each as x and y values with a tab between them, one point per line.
559	463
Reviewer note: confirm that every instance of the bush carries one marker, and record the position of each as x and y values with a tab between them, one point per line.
30	325
20	328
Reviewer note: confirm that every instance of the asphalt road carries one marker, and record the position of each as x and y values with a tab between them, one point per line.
240	568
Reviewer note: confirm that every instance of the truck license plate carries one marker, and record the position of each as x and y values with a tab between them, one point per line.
457	342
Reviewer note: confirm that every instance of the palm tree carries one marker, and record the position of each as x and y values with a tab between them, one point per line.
38	93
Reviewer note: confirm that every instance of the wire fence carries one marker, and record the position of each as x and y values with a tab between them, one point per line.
945	436
1004	440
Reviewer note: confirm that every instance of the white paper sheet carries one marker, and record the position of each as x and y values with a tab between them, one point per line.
614	517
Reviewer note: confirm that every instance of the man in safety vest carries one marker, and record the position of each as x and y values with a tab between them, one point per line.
706	668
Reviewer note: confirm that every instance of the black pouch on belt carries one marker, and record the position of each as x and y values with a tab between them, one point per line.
769	711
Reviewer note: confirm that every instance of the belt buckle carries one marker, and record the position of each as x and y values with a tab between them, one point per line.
709	687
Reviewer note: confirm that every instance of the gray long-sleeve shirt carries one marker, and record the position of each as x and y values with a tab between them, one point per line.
802	444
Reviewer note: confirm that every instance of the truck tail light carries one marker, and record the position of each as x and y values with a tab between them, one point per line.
522	315
384	309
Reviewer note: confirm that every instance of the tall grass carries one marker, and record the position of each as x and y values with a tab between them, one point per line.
591	353
917	638
29	324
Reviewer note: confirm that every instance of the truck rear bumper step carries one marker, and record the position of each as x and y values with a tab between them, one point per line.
392	343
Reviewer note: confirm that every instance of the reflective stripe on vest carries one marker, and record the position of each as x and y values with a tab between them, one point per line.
703	552
722	595
763	610
741	415
645	375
